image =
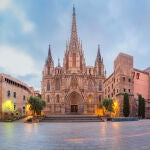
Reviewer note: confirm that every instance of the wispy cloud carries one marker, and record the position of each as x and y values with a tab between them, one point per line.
16	62
27	25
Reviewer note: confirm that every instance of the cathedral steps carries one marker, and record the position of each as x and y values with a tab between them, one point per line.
72	118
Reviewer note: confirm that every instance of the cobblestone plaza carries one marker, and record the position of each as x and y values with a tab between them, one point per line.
75	136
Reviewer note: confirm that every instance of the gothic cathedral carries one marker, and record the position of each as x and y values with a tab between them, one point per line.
73	88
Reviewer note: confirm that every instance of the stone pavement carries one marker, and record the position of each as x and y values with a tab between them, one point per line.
75	136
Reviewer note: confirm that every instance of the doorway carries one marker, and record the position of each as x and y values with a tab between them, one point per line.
74	108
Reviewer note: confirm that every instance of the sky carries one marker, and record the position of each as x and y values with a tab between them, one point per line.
27	27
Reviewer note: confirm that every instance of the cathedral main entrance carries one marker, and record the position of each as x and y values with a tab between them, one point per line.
74	103
74	108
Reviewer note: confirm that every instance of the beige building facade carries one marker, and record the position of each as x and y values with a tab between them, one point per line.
13	95
74	88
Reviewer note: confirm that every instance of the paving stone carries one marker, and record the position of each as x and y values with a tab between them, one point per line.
76	136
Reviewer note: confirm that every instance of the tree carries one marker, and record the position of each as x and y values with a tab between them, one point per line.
108	105
36	105
126	105
141	106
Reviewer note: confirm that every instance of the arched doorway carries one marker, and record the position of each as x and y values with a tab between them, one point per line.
74	103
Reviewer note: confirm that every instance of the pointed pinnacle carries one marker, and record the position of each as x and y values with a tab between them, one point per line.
58	62
74	13
98	58
49	55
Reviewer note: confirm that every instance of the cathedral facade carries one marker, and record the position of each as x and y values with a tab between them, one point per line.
73	88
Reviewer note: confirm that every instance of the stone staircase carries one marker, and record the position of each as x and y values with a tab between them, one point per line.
72	118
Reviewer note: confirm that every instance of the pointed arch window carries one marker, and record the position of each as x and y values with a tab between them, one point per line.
100	86
90	99
57	86
48	70
74	82
48	98
99	70
57	98
90	86
74	60
48	86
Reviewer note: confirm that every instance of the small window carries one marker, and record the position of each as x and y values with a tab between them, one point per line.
14	107
114	91
8	93
112	86
129	90
137	75
108	89
89	71
14	94
123	78
24	97
24	109
124	90
129	80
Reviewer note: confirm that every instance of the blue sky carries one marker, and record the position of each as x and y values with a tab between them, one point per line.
27	27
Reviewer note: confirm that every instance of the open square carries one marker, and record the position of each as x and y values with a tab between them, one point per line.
76	136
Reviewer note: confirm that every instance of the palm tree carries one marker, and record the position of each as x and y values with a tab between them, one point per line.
36	105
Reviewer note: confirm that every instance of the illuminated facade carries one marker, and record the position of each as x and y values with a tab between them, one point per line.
125	78
13	95
73	88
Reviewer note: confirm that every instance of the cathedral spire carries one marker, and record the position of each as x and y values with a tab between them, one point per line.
74	35
49	58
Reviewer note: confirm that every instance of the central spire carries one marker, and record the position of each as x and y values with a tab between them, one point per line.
74	35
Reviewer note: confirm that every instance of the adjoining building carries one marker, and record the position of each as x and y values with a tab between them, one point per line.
13	95
127	79
142	87
74	88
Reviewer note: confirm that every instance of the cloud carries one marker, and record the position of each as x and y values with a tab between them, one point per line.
16	62
27	25
4	4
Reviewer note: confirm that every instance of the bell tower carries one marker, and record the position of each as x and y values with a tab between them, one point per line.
49	64
99	64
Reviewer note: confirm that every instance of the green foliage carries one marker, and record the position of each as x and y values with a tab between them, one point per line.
126	105
36	105
107	104
141	106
